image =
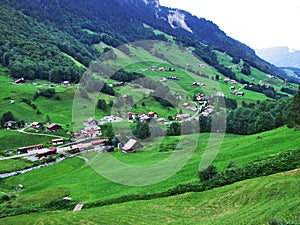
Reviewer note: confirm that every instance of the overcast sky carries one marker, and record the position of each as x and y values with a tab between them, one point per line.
257	23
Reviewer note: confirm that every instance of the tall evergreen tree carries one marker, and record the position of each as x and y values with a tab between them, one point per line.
294	115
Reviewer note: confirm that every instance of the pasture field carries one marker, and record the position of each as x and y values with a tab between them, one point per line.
262	200
87	186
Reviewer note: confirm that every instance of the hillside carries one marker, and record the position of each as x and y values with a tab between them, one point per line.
122	101
255	201
113	22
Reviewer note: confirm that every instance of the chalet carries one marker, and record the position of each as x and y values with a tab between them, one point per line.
240	94
132	145
20	81
227	80
116	84
152	114
234	92
92	131
196	84
91	122
163	79
162	69
54	127
130	116
37	125
57	141
185	105
181	117
11	124
172	78
232	87
66	83
46	152
30	148
153	68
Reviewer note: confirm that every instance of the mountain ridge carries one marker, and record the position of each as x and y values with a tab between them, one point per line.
118	22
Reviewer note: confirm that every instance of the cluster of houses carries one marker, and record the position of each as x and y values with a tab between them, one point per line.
204	104
155	68
39	150
54	127
141	116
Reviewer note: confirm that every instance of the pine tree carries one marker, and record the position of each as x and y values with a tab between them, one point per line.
294	115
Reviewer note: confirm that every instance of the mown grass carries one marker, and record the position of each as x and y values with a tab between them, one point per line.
86	185
255	201
11	140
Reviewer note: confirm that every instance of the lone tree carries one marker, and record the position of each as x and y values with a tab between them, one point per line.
294	115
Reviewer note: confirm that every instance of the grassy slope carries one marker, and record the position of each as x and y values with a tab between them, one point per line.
86	185
254	201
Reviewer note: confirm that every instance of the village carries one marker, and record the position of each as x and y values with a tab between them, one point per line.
90	137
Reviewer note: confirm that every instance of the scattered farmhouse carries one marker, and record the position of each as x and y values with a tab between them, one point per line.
66	83
20	81
130	116
118	84
11	124
132	145
37	125
54	127
152	114
181	117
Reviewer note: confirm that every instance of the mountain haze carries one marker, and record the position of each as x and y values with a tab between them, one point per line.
280	56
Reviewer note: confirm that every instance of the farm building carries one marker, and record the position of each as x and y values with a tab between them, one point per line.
30	148
66	83
57	141
115	84
109	148
181	117
37	125
152	114
98	142
11	124
132	145
20	81
130	116
54	127
46	152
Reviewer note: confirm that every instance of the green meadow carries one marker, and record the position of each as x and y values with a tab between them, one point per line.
85	184
262	200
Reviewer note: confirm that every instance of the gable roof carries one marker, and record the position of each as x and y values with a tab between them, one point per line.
132	144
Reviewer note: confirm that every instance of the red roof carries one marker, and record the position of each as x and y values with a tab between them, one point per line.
99	141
